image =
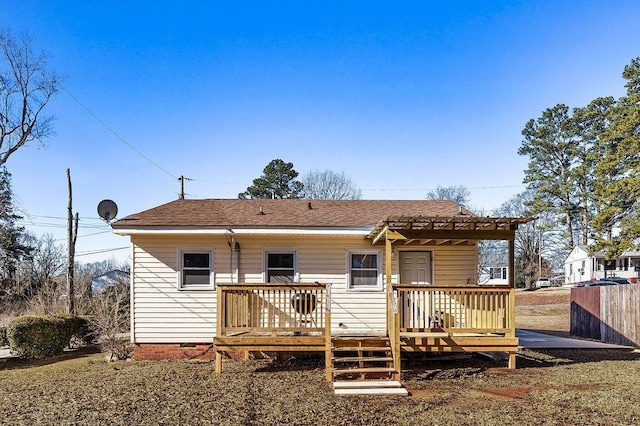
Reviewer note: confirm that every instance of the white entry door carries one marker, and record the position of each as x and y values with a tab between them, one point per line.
415	267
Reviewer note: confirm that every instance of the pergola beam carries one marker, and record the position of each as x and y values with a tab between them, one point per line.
453	235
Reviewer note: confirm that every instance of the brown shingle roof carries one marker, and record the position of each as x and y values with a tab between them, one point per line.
283	213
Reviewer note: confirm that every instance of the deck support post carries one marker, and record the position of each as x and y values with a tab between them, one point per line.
218	362
512	360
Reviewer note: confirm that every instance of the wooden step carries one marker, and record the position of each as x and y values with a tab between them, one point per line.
363	358
360	370
367	384
362	348
360	342
372	391
370	387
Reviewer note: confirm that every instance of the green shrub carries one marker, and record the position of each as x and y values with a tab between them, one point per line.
74	327
43	336
3	337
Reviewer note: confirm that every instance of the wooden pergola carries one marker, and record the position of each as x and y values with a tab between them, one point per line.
461	229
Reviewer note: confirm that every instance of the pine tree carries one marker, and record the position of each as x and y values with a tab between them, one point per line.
617	186
12	246
552	145
591	122
278	180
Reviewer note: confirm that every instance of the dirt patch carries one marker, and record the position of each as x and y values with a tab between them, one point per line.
428	395
504	394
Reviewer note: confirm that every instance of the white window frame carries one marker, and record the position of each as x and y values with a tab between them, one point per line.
195	250
378	286
266	251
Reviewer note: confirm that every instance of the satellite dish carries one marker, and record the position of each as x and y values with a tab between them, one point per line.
107	210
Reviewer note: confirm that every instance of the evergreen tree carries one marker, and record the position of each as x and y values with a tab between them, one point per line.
617	186
278	180
12	244
591	121
552	145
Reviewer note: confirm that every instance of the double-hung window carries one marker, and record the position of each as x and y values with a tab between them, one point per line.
196	269
281	266
498	273
363	270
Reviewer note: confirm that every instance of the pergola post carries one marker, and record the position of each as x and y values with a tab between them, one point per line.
512	263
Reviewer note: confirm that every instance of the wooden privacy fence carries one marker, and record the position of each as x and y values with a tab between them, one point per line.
457	309
274	308
607	313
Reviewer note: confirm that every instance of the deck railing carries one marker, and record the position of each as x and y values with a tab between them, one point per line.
460	309
272	308
393	329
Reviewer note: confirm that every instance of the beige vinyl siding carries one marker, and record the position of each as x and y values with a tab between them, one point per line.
161	312
164	314
455	265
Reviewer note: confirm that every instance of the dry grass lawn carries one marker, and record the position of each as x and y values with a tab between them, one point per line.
545	310
549	387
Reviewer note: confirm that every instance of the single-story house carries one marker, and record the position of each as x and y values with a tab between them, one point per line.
580	266
360	280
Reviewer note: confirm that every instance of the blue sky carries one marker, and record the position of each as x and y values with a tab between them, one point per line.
401	97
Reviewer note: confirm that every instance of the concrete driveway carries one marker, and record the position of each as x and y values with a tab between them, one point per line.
533	340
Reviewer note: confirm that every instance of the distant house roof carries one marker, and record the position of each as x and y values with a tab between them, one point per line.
109	279
600	254
283	213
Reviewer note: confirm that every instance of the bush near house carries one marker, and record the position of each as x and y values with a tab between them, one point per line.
3	337
42	336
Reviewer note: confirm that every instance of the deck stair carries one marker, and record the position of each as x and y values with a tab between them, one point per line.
364	366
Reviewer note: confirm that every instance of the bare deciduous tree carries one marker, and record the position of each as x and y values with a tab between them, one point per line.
459	194
46	263
329	185
26	87
109	319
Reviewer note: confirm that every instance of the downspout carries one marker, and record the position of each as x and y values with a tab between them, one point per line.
236	261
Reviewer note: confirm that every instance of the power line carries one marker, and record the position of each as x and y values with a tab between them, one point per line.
55	225
434	189
85	235
88	253
106	126
61	218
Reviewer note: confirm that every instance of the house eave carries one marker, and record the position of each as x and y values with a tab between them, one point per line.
165	230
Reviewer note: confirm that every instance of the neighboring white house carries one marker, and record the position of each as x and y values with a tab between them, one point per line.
579	266
494	275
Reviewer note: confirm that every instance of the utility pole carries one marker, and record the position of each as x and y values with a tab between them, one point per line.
182	179
540	255
72	229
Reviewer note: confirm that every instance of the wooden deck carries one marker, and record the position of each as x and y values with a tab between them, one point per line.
297	317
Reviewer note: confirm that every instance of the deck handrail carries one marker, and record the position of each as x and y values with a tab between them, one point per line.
393	329
328	363
457	309
272	307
